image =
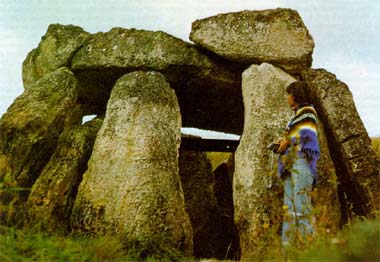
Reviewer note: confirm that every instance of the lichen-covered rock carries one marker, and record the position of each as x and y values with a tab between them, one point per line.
201	205
276	36
29	130
355	161
257	202
52	196
132	49
208	90
132	187
55	50
257	197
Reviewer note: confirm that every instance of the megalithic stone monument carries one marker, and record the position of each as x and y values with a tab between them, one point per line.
132	186
257	189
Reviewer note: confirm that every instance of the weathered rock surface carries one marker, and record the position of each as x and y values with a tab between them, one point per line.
137	49
276	36
256	200
132	187
355	160
29	130
52	196
208	90
201	205
55	50
255	180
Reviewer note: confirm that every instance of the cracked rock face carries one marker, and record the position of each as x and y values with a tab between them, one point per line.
132	185
276	36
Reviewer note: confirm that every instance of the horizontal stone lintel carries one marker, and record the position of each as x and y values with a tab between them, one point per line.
208	145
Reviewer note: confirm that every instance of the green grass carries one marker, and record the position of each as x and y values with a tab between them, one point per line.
19	245
358	242
376	145
217	158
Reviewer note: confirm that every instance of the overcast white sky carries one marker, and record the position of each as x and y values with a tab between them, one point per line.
345	33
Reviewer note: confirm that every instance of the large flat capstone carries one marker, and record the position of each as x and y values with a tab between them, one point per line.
276	36
208	89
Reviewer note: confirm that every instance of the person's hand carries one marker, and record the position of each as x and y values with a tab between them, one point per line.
284	144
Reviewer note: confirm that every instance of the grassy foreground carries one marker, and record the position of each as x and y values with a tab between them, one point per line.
359	241
21	245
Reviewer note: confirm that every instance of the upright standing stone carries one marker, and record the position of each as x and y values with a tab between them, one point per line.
55	50
132	187
29	130
256	202
276	36
357	166
52	196
256	197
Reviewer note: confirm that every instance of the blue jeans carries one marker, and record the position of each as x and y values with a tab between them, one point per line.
297	223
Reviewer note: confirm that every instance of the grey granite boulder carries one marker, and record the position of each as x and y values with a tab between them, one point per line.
52	196
276	36
55	50
356	163
256	197
29	130
132	187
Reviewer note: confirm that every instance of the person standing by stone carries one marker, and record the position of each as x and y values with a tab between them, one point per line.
299	152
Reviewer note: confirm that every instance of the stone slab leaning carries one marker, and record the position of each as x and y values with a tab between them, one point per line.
52	196
357	166
29	131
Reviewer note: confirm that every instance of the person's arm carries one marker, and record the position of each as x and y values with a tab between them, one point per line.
284	144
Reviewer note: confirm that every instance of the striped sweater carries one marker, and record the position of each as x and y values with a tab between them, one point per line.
302	133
